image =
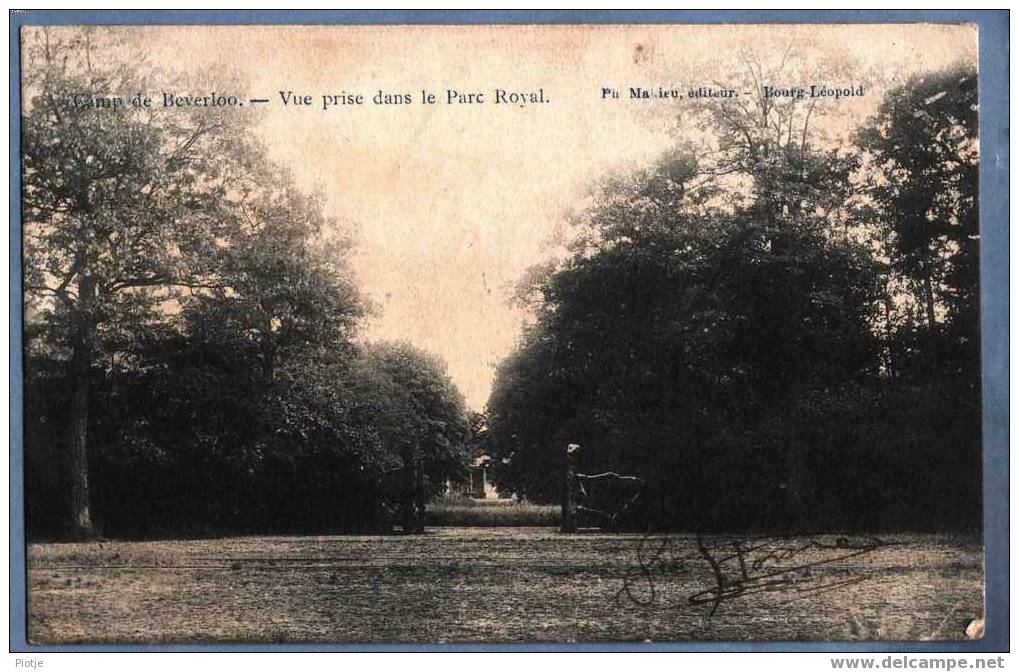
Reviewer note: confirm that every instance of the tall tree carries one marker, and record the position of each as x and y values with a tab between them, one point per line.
921	160
283	286
676	338
120	203
792	189
923	149
421	418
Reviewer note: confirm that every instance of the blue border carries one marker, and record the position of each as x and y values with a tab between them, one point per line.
993	28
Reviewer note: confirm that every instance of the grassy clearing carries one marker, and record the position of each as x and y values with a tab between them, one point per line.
490	513
484	585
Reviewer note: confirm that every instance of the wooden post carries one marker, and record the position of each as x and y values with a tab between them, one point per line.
569	520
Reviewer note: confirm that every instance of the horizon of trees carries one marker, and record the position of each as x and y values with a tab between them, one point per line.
191	363
773	333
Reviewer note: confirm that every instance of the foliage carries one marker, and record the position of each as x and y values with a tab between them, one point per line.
191	364
768	331
924	152
728	340
676	349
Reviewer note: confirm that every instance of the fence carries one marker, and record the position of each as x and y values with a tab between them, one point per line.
575	491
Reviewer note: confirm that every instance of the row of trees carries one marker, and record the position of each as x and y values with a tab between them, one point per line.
190	355
772	332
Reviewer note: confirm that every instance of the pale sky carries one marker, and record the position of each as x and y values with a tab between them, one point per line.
451	204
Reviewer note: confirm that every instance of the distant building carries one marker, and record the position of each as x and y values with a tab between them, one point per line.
480	486
476	485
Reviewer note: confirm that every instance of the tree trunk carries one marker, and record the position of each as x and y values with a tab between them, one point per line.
81	523
411	493
419	495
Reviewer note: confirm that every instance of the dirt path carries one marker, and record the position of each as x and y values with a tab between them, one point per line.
501	585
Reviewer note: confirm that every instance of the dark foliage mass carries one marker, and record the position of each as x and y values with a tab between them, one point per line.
805	359
769	335
189	355
195	441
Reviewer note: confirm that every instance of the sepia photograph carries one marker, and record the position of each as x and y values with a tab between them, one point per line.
523	333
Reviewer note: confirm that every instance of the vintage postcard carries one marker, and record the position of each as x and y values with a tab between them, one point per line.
501	333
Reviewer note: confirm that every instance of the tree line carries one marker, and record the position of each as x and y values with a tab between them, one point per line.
772	331
191	354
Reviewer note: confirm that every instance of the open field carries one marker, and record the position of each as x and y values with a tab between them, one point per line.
503	585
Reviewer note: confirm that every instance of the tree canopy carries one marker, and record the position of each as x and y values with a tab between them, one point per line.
722	328
192	362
